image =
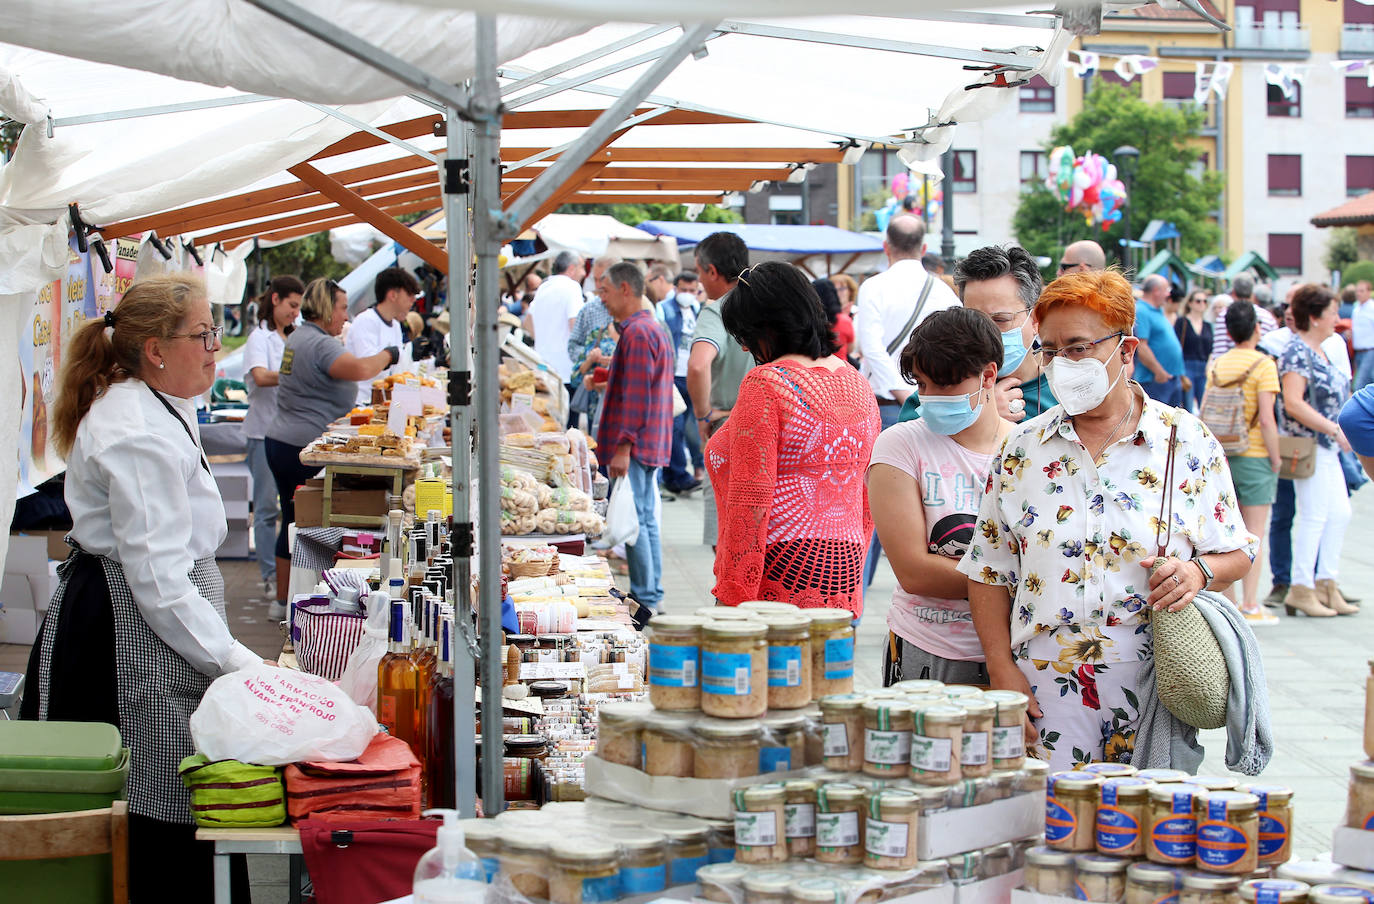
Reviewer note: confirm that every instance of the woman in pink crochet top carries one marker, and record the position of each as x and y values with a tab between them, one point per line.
788	466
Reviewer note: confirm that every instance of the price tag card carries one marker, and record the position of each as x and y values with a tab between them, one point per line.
405	401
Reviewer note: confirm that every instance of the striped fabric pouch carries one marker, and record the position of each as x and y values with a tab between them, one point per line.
383	783
230	794
323	639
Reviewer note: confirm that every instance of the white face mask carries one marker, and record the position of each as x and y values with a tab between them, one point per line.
1081	385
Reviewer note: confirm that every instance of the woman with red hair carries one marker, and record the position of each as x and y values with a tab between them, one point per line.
1060	586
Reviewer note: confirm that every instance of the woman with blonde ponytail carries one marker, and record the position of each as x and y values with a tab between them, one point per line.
136	631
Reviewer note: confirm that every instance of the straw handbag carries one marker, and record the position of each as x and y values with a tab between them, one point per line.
1190	670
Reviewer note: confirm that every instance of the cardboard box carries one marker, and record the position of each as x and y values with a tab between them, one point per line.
310	503
16	591
953	832
1353	848
18	625
996	890
29	551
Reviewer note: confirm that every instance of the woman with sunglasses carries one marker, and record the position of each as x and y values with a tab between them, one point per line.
317	384
136	631
1060	586
1195	335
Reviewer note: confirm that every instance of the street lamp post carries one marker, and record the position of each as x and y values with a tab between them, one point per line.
1126	159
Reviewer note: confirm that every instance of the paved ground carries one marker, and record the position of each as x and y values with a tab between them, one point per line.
1316	670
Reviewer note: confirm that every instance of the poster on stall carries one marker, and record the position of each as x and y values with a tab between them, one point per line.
78	294
39	355
110	287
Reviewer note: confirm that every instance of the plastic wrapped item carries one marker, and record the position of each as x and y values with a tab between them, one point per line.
965	868
727	748
1359	812
936	743
720	882
975	755
1273	891
839	823
525	860
789	660
842	731
768	887
722	844
642	856
583	871
1149	883
799	817
1209	888
1071	811
674	662
1340	894
832	651
1101	878
1008	732
997	860
667	744
1172	836
784	743
890	830
1033	777
760	820
1122	813
1049	871
887	738
816	890
688	847
619	738
1227	832
734	669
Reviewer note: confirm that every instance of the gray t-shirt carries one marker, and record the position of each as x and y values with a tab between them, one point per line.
308	398
731	362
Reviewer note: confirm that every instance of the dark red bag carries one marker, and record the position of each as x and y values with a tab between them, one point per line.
364	862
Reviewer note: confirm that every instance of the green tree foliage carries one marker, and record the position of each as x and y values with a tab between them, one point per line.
1364	270
634	214
1164	186
307	258
1340	249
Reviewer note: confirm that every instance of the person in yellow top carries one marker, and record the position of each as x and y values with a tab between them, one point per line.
1255	472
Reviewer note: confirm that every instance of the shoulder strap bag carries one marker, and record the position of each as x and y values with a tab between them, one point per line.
1298	454
915	317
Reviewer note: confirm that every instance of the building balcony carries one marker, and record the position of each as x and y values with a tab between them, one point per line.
1273	36
1357	39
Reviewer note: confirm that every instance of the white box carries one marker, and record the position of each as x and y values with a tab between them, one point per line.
708	798
953	832
235	510
1021	896
16	591
27	555
18	625
1353	848
997	890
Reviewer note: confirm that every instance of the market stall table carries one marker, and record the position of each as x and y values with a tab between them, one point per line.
279	840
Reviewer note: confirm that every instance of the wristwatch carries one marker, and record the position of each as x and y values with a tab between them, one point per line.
1207	575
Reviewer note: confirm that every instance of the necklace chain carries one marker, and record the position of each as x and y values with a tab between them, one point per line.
1130	409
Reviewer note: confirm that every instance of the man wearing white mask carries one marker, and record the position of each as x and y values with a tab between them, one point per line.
1060	563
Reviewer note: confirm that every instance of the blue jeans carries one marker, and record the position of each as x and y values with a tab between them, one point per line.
686	442
1197	372
1364	369
265	509
888	414
645	557
1170	393
1281	533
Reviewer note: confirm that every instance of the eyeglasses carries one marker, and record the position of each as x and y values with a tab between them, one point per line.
1006	321
210	338
1067	265
1076	352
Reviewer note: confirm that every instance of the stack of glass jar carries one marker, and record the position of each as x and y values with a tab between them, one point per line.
1103	816
1113	880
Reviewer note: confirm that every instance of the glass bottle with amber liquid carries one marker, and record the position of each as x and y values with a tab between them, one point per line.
440	762
396	680
425	663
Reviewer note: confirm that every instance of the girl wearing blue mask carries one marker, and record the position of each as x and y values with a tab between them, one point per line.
925	481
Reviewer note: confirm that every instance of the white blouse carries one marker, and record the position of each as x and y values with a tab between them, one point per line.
139	494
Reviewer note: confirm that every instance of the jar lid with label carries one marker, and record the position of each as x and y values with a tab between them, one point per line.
1285	891
819	891
636	840
526	745
1168	793
734	629
723	873
1363	770
1108	770
1269	794
1212	782
674	626
583	852
1127	787
1340	894
768	606
834	793
1155	875
623	713
1162	776
670	722
1074	782
893	801
1040	855
837	702
938	714
918	686
1235	802
1200	881
830	618
547	690
769	882
1101	864
787	626
727	729
723	613
758	795
961	691
976	706
784	720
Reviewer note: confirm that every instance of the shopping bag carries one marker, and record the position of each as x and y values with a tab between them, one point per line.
271	717
324	639
622	521
359	678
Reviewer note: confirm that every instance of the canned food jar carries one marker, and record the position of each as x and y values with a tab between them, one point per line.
734	669
890	830
816	890
1152	883
1227	832
1009	729
997	860
584	871
784	742
1359	812
1163	776
799	817
483	838
937	734
1275	822
1340	894
525	860
975	754
1071	811
917	686
719	881
1209	888
618	738
1032	777
759	824
769	887
727	748
1049	871
1100	878
687	849
887	738
965	868
643	860
839	823
1172	825
725	613
666	744
1121	816
960	692
1109	770
832	651
789	660
722	844
769	607
1273	891
842	732
675	662
1212	782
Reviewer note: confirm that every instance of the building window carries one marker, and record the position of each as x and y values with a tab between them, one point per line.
1359	175
1357	13
1285	252
1282	106
1198	168
1034	166
965	172
1179	86
785	210
1037	96
1359	98
1109	77
1285	174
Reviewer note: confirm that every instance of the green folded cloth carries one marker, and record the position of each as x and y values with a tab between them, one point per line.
230	794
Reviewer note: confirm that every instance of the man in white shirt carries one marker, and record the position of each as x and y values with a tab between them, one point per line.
550	316
379	327
1362	336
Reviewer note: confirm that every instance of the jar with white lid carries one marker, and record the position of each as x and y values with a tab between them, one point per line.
1032	777
1275	822
832	651
1152	883
1172	838
687	849
618	727
997	860
722	844
584	871
483	838
1212	782
1100	878
960	692
760	819
815	890
789	660
720	882
1049	871
799	817
890	830
842	731
1071	811
725	613
1313	872
726	748
1122	807
839	823
769	607
734	669
666	744
784	742
1273	891
917	686
1227	832
1340	894
1209	888
1162	776
965	868
1359	812
642	855
768	887
525	860
887	738
675	662
937	734
1108	770
1009	728
975	756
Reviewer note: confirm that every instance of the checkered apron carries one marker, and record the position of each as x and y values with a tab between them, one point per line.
157	690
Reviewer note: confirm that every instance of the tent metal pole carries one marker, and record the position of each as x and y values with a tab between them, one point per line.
487	222
160	110
588	57
1010	61
373	130
974	17
555	151
456	184
608	122
611	69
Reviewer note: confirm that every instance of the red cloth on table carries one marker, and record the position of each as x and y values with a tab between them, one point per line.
788	473
355	862
383	783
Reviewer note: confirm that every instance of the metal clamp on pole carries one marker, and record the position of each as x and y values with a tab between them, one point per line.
457	178
459	388
462	538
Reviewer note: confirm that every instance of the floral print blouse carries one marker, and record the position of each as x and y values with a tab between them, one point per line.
1326	391
1066	535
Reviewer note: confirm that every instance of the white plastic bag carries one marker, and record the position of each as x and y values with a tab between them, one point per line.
359	678
272	717
622	521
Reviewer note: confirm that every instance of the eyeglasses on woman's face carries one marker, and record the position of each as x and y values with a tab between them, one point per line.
1076	352
209	337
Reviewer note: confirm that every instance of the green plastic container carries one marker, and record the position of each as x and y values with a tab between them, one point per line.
58	767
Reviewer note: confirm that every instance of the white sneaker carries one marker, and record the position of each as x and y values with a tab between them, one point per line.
276	612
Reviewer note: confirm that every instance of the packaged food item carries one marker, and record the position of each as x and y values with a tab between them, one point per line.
997	860
1009	729
721	847
525	860
1212	782
887	738
1152	883
832	651
1369	712
784	742
643	859
1100	878
975	754
960	692
725	613
839	823
1359	813
1172	824
1209	888
816	890
1340	894
1313	872
890	830
1071	811
842	731
1227	832
789	660
1049	871
674	662
1163	776
799	817
687	849
618	738
719	881
584	871
1273	891
734	669
936	744
483	838
1275	822
667	748
965	868
726	748
768	887
1032	777
917	686
759	824
1121	816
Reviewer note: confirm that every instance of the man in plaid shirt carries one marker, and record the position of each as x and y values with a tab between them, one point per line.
637	417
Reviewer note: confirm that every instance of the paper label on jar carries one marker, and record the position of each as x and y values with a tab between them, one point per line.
490	867
775	759
1175	839
973	750
887	747
1059	820
1220	845
1008	742
755	829
886	839
1170	898
799	820
641	880
1273	834
784	666
721	854
683	870
931	754
725	673
836	739
602	890
839	658
837	829
1116	829
672	666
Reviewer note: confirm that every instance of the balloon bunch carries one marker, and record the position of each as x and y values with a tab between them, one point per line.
1087	184
910	196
